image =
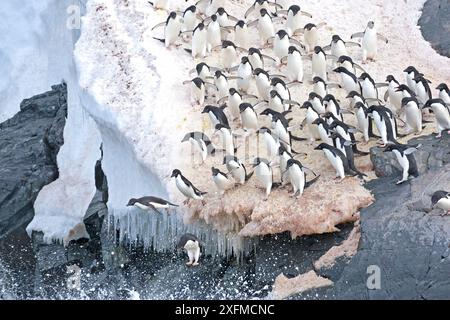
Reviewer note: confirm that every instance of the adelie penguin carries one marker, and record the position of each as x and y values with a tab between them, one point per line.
348	79
321	87
311	36
249	117
282	89
265	27
319	63
385	123
444	92
241	36
364	121
294	69
346	147
281	44
349	64
221	180
311	116
338	47
297	176
216	115
200	142
441	199
272	143
191	244
395	98
258	5
213	33
422	89
369	89
331	105
256	58
405	157
150	203
230	54
369	42
203	71
293	20
172	29
410	73
262	79
413	115
324	130
198	90
245	74
442	113
186	187
338	160
199	41
264	173
222	84
227	138
237	169
191	18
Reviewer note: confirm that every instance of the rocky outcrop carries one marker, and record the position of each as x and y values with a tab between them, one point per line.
434	24
400	235
29	144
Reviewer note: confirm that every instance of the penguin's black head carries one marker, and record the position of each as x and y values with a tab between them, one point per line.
266	112
281	34
318	79
364	76
291	162
317	49
221	126
359	104
256	162
343	59
390	78
353	94
228	43
410	69
275	80
244	106
389	148
263	12
292	49
232	91
253	50
214	17
403	87
294	8
309	26
244	60
131	202
329	114
257	71
264	130
282	149
321	146
218	74
442	86
215	171
191	8
273	93
317	121
240	23
407	100
221	11
175	173
313	95
187	137
207	109
371	24
173	15
306	105
329	97
229	158
201	26
335	38
339	69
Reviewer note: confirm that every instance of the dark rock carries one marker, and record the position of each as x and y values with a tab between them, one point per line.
29	144
435	25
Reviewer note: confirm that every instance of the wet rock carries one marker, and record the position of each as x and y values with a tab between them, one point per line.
29	144
435	25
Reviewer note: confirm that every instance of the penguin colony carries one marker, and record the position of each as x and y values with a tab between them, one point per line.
273	63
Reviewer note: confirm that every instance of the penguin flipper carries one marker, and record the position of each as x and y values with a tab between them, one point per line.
188	50
159	39
153	208
248	176
357	35
297	138
311	182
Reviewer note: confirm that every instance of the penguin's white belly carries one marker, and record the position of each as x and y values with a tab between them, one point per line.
263	86
293	23
349	84
191	245
281	47
421	93
363	123
282	133
160	206
245	72
214	38
264	175
271	145
275	104
172	32
444	96
198	94
239	175
368	90
200	146
311	37
249	120
233	104
297	178
228	143
266	29
222	182
318	106
343	133
241	37
442	117
255	61
414	118
336	162
369	43
204	73
189	21
187	191
229	57
222	87
395	98
199	41
402	160
319	67
295	67
324	135
320	89
338	49
444	204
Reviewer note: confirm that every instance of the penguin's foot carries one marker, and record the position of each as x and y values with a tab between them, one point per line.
189	263
400	182
195	264
439	135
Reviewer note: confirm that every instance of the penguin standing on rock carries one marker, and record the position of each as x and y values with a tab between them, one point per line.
297	175
405	157
413	115
186	187
190	243
444	92
264	173
442	113
237	169
441	199
221	180
198	90
338	161
201	142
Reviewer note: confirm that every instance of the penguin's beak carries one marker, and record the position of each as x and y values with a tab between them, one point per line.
317	148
